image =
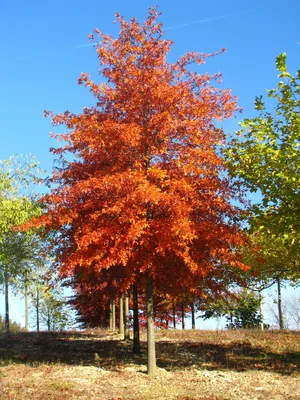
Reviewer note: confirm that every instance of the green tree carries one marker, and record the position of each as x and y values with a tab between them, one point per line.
272	262
35	266
266	158
50	306
14	326
246	312
241	309
17	204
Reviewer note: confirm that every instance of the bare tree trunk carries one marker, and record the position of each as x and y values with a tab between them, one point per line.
26	303
182	316
280	316
113	315
193	316
121	312
231	319
126	312
260	299
37	309
49	320
136	328
174	316
7	327
110	316
151	362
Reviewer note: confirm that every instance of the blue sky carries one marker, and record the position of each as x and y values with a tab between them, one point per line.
43	52
44	48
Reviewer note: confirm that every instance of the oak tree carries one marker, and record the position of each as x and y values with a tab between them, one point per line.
141	180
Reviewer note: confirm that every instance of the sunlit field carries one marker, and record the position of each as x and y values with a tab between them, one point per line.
206	365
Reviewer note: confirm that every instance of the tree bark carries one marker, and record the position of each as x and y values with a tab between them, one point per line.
174	316
49	321
110	316
7	327
193	316
126	321
121	317
113	315
136	328
231	319
151	362
280	316
37	309
26	303
182	316
260	299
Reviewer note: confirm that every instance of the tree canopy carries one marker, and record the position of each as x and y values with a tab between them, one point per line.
266	158
141	183
18	203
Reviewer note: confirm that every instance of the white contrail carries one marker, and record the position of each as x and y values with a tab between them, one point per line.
201	21
22	58
82	46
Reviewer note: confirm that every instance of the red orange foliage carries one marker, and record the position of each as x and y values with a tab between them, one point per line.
145	188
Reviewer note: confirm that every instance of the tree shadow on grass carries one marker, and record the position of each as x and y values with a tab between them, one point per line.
233	356
71	349
108	352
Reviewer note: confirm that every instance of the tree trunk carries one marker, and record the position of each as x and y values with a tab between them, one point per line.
174	316
193	316
182	316
260	299
113	315
7	327
231	319
49	320
26	303
126	317
280	316
110	316
121	312
136	328
151	362
37	309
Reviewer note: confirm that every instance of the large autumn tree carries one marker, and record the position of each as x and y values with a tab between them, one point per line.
141	182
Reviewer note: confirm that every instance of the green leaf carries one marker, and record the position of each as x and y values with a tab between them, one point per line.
266	159
259	104
281	62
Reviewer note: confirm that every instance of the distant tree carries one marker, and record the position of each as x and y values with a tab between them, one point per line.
294	311
17	204
50	308
272	262
241	309
246	313
54	310
14	326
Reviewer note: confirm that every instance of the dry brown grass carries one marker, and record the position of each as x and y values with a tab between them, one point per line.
194	365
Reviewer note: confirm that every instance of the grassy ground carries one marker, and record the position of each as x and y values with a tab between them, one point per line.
194	365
